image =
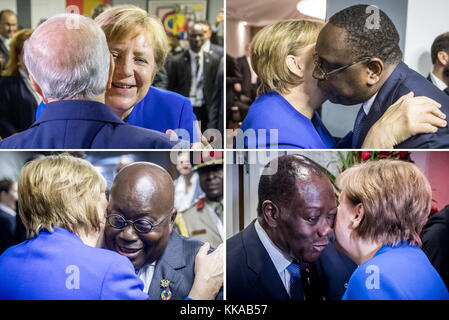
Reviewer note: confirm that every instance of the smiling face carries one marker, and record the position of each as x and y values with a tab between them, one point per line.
141	191
304	226
133	73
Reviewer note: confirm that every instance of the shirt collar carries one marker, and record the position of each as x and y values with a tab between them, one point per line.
280	261
369	103
5	41
7	209
437	81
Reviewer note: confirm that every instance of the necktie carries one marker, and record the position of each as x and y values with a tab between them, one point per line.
296	292
219	211
197	59
355	135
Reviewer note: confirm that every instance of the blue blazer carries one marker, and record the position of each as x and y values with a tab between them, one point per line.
402	272
402	81
58	265
81	124
160	110
295	131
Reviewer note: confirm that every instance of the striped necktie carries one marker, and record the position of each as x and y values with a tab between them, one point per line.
296	292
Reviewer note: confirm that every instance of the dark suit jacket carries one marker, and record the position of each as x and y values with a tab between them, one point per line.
251	275
435	242
80	124
216	110
17	106
177	264
7	230
180	75
217	50
248	89
402	81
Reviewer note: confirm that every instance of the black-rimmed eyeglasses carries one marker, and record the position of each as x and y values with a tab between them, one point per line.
140	225
325	75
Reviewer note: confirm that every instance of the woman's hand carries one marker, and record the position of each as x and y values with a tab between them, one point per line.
208	273
407	117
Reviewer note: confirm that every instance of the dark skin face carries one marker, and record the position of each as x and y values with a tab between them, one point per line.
301	230
141	190
211	182
353	85
196	37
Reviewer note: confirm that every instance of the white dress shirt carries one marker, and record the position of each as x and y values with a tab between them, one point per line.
369	103
280	261
146	275
438	82
7	209
197	83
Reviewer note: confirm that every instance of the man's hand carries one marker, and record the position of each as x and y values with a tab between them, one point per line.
208	273
407	117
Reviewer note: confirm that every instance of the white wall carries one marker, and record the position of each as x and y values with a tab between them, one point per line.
45	9
425	21
8	4
237	36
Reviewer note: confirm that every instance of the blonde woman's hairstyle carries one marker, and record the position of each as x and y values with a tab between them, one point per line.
122	21
270	48
396	199
60	191
15	49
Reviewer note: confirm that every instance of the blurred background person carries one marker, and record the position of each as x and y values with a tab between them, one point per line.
247	84
18	99
8	26
192	73
208	45
99	10
187	185
435	242
204	219
383	207
440	60
8	200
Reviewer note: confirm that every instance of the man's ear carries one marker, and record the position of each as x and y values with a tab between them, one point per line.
37	88
174	213
270	213
443	58
358	212
375	69
111	71
295	66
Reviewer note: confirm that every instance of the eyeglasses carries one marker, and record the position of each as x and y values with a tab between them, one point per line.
140	225
325	75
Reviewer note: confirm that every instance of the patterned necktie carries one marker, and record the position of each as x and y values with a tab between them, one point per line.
355	135
296	292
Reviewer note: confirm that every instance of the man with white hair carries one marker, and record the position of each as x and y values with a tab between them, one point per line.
70	67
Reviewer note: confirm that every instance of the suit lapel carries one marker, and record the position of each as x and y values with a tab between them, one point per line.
267	281
382	102
166	269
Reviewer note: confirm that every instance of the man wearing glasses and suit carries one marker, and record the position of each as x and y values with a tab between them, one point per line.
357	61
140	217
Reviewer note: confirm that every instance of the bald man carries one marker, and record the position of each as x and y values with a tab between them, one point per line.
70	67
140	218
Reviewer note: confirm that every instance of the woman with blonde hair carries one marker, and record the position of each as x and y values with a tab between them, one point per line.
139	47
18	100
383	208
285	114
62	204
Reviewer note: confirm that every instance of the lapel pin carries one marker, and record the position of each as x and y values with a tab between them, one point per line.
166	294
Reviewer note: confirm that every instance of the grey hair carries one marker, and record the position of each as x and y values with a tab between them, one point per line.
78	67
